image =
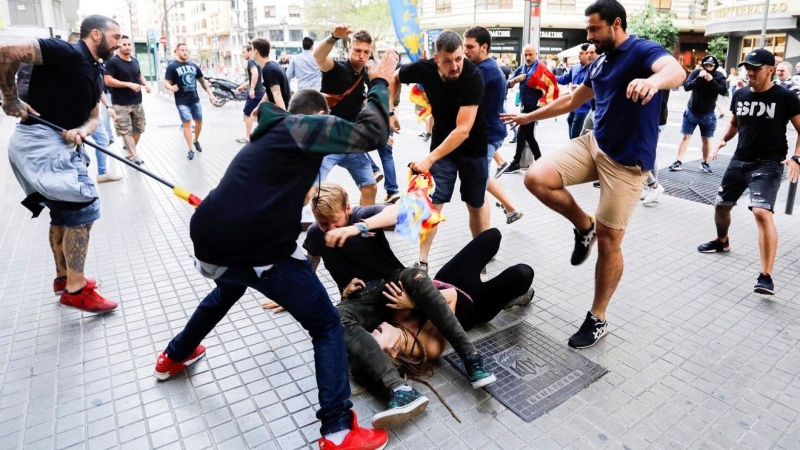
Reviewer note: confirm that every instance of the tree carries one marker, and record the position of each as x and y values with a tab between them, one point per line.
655	26
718	47
371	15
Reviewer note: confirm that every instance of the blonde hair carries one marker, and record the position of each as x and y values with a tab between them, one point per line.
329	199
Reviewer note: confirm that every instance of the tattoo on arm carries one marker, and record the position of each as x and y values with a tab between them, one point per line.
76	245
91	123
57	245
27	52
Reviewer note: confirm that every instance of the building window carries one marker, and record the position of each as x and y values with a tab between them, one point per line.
494	4
294	11
269	11
275	35
661	5
295	35
443	6
562	5
775	43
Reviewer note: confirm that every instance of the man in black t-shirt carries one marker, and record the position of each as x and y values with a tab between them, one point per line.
276	85
348	77
454	87
255	89
51	168
126	81
760	114
181	78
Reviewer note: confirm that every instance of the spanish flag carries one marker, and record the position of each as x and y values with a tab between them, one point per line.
543	80
418	97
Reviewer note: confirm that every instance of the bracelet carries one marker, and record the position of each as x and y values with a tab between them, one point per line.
331	39
363	228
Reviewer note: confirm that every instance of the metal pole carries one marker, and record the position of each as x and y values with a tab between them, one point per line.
764	25
166	29
790	197
532	23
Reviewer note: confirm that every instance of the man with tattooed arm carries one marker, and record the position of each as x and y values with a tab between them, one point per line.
65	88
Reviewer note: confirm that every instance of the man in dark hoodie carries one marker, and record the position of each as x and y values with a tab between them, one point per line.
706	85
245	235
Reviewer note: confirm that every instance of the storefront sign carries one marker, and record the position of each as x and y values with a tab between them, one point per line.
749	10
500	32
552	34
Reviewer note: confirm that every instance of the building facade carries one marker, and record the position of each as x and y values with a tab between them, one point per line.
562	23
37	18
742	22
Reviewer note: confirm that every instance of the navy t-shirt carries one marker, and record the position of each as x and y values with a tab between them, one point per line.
275	76
67	87
626	131
446	98
493	99
367	259
127	72
185	76
762	119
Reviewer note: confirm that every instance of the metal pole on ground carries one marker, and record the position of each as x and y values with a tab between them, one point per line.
790	197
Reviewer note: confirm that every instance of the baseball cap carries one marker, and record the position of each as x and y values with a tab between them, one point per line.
759	57
709	60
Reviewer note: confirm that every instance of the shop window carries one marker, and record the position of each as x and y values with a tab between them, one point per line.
443	6
563	5
662	5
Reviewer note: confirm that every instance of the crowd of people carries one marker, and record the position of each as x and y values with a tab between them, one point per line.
391	320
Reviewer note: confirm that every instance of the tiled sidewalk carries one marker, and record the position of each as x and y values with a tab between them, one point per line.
695	359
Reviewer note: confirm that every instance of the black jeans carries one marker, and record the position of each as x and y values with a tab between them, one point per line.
489	298
526	134
363	314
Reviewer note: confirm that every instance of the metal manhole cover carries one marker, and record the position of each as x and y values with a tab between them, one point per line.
692	183
535	373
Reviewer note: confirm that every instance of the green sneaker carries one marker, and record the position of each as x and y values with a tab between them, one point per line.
403	406
478	375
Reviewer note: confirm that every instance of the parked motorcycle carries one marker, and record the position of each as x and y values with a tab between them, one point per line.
225	90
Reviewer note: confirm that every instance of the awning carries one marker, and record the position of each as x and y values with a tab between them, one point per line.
573	52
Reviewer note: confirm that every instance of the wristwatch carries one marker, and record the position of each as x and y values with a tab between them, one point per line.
796	158
391	113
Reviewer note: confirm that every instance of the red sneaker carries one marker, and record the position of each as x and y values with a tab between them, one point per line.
358	438
166	367
60	283
87	300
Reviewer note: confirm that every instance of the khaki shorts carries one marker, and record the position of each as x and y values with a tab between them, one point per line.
582	161
130	119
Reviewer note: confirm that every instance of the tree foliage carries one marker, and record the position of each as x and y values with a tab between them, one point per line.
718	47
371	15
655	26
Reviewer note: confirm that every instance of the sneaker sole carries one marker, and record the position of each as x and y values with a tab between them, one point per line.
484	382
398	416
724	250
763	291
677	169
510	220
605	332
165	375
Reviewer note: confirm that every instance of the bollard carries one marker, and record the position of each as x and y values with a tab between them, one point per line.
790	197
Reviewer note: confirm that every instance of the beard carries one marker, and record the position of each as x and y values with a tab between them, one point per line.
604	46
104	51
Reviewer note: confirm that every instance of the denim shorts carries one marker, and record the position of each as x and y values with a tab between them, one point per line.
358	164
762	177
474	175
493	148
190	112
707	124
251	103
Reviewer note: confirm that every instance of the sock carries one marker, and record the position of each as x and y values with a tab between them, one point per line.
338	437
404	387
76	292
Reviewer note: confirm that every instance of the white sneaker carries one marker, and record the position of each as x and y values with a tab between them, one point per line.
652	195
644	193
107	177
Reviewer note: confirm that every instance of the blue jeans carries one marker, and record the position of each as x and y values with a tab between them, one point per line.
706	122
389	173
102	138
575	122
358	164
190	112
293	285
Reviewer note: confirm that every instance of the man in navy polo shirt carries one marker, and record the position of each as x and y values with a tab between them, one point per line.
65	89
625	83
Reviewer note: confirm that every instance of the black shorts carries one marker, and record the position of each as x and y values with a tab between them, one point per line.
762	177
473	172
251	103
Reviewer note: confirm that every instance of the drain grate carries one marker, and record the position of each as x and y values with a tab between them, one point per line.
535	373
693	184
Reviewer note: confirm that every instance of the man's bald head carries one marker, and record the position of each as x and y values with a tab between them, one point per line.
529	54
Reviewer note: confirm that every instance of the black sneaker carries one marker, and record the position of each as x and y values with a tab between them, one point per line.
592	330
403	406
513	168
714	246
477	374
677	166
584	240
522	300
596	184
502	169
426	138
764	285
513	140
197	147
190	155
706	167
